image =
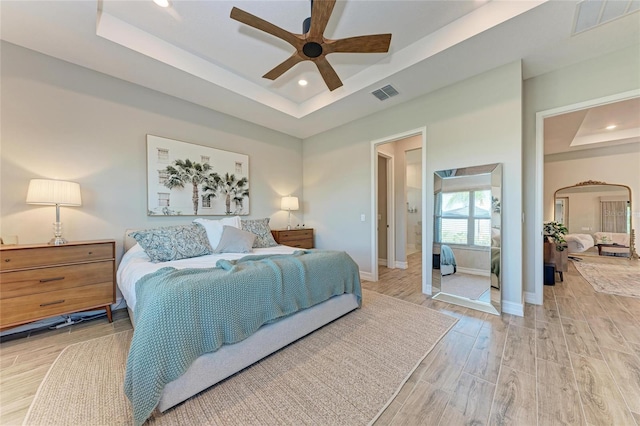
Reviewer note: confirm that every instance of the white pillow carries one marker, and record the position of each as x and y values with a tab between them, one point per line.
235	240
214	228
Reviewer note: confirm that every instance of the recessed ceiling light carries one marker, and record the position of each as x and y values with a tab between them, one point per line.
162	3
611	127
302	82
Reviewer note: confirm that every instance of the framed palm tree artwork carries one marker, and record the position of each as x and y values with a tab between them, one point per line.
188	179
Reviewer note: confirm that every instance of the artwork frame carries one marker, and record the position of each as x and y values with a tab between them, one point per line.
186	179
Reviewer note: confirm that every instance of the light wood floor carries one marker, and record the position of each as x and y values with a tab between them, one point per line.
575	360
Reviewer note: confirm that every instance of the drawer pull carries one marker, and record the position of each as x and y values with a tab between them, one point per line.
55	302
7	260
90	252
46	280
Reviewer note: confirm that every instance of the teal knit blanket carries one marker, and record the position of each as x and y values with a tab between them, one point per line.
182	314
446	255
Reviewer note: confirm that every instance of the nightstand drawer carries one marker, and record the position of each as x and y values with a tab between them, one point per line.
22	283
41	305
54	255
301	238
306	244
293	235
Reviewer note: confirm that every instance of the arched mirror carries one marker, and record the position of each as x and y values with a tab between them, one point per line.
466	237
598	217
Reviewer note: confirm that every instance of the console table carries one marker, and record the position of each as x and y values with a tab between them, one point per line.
559	259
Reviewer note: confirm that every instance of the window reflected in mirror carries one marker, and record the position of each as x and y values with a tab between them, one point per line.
466	238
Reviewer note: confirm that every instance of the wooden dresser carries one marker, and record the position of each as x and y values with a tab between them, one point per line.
302	238
38	281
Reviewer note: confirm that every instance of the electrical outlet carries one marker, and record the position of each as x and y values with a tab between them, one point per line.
362	218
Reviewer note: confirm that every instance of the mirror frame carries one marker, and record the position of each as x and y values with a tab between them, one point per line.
633	254
494	306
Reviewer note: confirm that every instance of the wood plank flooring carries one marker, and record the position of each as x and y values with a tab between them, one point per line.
574	360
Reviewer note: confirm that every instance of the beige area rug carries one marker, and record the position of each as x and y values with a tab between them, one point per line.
344	373
465	285
621	277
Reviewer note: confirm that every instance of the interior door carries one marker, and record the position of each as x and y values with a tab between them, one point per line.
383	224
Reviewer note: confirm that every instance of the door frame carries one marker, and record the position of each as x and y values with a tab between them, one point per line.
422	131
391	211
538	256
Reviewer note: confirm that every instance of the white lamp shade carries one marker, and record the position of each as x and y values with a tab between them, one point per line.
289	203
50	192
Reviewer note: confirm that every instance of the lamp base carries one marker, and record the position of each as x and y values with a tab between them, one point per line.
57	241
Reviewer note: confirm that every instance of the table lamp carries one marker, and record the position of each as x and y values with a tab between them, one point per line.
54	193
289	203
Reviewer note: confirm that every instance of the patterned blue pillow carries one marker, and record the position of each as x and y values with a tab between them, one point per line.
260	227
173	242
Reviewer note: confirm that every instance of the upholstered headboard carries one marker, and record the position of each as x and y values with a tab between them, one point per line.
129	241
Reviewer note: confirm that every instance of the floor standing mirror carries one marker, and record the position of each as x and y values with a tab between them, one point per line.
466	238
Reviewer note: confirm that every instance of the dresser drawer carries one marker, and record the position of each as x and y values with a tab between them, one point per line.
22	309
26	282
54	255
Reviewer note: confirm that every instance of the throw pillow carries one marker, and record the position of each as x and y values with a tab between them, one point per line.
173	242
214	227
235	240
260	227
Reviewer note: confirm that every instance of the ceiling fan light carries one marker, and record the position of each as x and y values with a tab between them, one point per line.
162	3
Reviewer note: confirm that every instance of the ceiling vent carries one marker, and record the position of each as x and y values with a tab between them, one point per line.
385	93
591	13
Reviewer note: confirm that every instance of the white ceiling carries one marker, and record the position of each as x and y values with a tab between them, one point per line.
194	51
587	128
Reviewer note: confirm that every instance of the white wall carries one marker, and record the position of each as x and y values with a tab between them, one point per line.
603	76
475	122
413	195
67	122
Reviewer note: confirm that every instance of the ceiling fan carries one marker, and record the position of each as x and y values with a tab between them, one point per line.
311	45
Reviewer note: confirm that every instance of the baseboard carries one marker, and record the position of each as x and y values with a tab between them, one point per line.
472	271
382	262
530	297
512	308
402	265
366	276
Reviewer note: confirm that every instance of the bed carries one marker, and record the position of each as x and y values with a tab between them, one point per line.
447	261
216	350
578	243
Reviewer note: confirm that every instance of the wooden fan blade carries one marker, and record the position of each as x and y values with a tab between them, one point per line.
328	73
283	67
262	25
320	14
377	43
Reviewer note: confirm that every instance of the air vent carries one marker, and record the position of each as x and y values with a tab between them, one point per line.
385	93
592	13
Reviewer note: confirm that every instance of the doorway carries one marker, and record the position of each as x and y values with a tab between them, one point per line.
385	228
395	147
540	179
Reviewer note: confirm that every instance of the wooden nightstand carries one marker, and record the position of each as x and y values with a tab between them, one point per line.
302	238
39	281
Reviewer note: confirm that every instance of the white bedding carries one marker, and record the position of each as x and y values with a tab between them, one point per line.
579	242
135	264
